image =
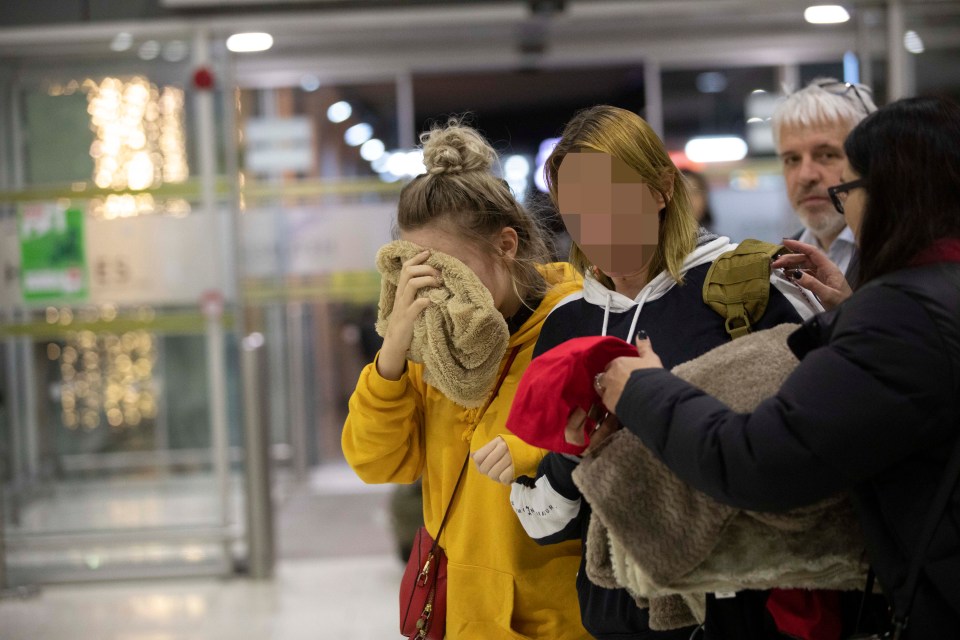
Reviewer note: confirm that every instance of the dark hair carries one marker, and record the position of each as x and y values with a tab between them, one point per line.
908	153
698	183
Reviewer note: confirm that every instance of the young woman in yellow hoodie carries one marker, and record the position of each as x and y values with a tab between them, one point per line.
500	583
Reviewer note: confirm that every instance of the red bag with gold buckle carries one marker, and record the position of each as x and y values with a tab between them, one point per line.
423	591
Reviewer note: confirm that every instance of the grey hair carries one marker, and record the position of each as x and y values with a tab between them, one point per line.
815	105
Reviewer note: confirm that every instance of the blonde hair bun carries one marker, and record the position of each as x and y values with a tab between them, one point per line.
455	148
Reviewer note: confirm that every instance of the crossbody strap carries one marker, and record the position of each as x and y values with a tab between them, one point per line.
466	460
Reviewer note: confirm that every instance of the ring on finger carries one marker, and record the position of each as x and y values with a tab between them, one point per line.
598	383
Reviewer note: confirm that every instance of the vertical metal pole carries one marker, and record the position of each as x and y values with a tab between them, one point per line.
278	378
864	46
15	404
406	114
23	346
897	55
215	347
31	427
788	75
260	540
653	90
297	391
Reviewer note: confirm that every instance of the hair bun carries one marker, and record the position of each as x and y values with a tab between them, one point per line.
455	148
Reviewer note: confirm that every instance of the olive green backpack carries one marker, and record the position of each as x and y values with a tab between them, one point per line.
738	285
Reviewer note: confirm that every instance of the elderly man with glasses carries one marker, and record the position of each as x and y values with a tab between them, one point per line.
809	128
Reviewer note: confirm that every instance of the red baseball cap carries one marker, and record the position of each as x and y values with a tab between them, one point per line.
556	383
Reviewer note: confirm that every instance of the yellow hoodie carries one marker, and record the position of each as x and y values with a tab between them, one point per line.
500	583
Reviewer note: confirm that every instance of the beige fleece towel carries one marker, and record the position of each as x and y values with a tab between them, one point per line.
657	536
460	338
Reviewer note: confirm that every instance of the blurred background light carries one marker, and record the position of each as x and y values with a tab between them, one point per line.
175	51
716	149
912	42
249	42
149	50
826	14
309	82
543	152
372	149
339	111
121	42
358	134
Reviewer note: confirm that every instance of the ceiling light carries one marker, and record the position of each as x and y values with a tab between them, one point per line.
912	42
121	42
716	149
309	82
358	134
149	50
175	51
249	42
339	111
372	149
826	14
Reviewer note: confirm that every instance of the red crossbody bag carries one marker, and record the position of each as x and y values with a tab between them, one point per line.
423	589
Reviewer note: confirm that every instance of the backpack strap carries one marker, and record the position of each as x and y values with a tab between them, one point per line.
737	285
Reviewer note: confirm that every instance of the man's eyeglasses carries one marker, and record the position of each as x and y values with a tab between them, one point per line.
838	193
843	88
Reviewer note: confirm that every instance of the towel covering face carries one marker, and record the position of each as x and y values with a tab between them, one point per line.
461	338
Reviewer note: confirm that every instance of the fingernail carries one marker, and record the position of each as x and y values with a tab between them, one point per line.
641	335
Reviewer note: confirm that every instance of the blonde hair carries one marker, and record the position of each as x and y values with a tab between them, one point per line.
625	135
461	192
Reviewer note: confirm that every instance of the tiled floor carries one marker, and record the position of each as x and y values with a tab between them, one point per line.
351	598
336	578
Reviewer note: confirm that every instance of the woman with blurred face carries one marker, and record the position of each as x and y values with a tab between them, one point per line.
644	262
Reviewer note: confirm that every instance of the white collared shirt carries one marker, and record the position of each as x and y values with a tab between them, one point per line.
840	252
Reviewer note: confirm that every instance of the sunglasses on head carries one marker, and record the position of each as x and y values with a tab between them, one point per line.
843	88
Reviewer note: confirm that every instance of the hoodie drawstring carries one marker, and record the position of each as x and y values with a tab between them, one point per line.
636	315
606	314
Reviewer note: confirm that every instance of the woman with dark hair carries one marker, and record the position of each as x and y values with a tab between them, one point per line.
874	406
699	198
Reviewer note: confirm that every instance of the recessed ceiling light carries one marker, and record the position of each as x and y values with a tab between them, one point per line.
249	42
913	42
826	14
339	111
121	42
716	149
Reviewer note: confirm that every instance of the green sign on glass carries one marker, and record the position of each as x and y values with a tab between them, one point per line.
52	258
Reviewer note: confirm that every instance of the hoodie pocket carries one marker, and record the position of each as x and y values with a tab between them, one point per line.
479	603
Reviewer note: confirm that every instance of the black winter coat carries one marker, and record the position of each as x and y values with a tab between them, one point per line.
873	408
